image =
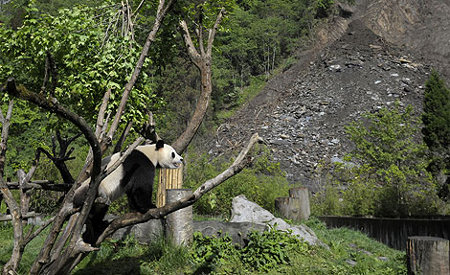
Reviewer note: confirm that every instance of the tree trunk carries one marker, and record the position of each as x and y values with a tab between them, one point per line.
168	179
179	228
296	206
428	255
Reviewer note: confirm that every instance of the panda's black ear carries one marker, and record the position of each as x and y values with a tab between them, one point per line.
159	144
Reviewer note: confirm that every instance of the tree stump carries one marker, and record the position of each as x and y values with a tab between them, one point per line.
428	255
296	206
179	224
168	179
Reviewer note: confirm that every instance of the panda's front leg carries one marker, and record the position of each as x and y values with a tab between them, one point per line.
103	198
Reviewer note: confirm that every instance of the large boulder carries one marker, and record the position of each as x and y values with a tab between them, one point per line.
244	210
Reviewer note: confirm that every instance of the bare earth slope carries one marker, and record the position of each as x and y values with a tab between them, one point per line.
302	112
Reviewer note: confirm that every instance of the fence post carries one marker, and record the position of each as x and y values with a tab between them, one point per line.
428	255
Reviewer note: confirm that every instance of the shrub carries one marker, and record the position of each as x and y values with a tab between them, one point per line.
388	175
265	251
261	182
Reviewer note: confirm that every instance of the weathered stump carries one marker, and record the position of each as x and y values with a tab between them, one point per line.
178	227
296	206
428	255
168	179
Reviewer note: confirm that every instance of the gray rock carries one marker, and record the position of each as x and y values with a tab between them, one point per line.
244	210
145	233
238	231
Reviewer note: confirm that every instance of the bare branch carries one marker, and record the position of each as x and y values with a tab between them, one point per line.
203	63
148	130
192	51
123	137
212	32
101	114
52	105
4	137
32	234
137	10
42	184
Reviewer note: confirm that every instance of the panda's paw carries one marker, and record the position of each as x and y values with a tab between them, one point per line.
103	200
85	247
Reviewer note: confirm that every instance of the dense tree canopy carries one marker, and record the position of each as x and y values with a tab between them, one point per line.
436	115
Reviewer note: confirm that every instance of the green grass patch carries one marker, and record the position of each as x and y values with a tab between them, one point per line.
272	252
31	251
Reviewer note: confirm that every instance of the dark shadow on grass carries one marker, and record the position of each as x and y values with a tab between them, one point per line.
124	265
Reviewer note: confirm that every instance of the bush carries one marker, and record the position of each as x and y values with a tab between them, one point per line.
266	251
261	182
385	175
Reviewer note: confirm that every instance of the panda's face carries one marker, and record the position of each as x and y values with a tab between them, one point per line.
167	157
161	155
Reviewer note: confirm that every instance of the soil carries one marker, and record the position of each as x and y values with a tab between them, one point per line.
359	64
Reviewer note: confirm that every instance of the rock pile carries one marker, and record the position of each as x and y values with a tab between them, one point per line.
304	124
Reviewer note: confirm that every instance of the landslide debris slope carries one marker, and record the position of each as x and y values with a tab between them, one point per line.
382	54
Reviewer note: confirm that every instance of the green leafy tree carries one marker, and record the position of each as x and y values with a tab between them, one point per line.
436	130
436	116
84	60
391	166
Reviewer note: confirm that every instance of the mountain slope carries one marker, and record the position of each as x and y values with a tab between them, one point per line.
302	112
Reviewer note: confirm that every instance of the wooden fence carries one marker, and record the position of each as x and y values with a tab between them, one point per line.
392	231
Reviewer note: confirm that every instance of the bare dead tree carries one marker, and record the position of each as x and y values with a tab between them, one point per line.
201	58
59	157
64	247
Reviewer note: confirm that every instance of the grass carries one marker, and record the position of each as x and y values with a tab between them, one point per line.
31	251
349	252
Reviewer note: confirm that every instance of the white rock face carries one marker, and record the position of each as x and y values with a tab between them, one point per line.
243	210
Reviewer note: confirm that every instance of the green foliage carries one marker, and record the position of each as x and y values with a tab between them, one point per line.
385	175
261	183
29	255
370	257
436	114
268	250
130	257
207	252
216	255
88	63
254	40
436	129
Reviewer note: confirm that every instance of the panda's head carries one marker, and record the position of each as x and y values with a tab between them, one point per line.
162	155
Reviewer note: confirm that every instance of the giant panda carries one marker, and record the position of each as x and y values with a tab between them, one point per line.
134	177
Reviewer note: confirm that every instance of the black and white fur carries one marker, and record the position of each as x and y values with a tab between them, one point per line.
134	177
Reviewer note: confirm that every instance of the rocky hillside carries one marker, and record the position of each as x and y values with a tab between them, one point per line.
361	63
